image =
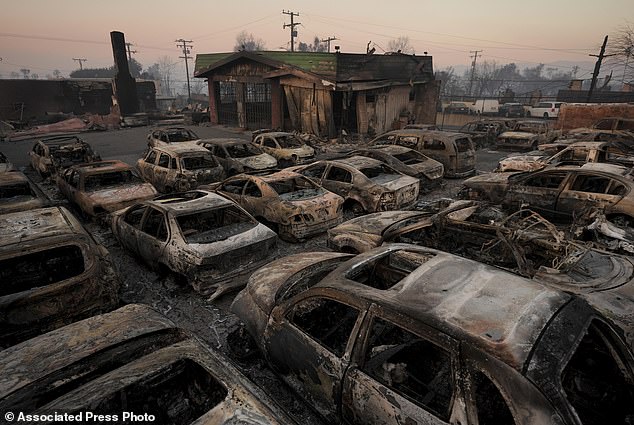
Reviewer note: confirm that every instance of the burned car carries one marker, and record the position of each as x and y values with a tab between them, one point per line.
178	168
289	203
102	187
406	334
239	156
287	148
526	134
5	164
170	135
523	242
455	151
131	365
406	161
366	184
578	153
52	273
484	133
53	154
561	192
19	193
202	236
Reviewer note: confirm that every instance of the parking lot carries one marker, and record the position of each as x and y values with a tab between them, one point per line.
210	321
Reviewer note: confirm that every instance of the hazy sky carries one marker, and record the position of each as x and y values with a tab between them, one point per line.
44	35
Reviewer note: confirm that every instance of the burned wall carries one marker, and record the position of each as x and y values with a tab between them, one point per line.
32	100
585	115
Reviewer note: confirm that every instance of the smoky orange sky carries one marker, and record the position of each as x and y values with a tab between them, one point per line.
43	35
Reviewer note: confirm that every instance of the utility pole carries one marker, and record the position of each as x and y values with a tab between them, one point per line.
328	40
128	45
292	25
80	60
186	45
597	68
473	65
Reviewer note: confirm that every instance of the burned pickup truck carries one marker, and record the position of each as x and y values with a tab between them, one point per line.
52	273
407	334
201	236
129	366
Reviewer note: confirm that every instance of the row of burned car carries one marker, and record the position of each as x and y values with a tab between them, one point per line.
400	333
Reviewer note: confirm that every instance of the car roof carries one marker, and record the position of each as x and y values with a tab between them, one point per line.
61	140
500	312
357	162
275	133
12	177
420	132
280	175
101	167
607	168
24	226
187	202
182	148
225	142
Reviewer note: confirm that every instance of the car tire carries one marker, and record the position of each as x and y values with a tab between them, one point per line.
546	115
622	221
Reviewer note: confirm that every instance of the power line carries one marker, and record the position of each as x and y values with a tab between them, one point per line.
292	26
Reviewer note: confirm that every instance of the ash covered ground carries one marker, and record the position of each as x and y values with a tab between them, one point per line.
210	321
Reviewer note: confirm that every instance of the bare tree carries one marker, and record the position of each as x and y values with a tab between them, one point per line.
317	46
57	74
401	45
25	72
246	41
621	45
165	70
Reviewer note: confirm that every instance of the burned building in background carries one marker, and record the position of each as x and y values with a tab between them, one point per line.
319	93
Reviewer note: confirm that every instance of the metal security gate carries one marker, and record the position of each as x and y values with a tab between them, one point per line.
245	105
228	103
257	105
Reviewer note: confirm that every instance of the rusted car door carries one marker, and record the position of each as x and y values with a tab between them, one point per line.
338	180
312	339
146	165
251	199
70	186
585	191
539	190
163	180
402	376
153	237
129	227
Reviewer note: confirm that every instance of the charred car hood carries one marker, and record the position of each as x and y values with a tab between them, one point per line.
111	199
393	184
258	162
374	224
206	252
517	135
489	179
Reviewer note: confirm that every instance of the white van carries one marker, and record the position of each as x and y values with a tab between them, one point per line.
484	107
545	110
